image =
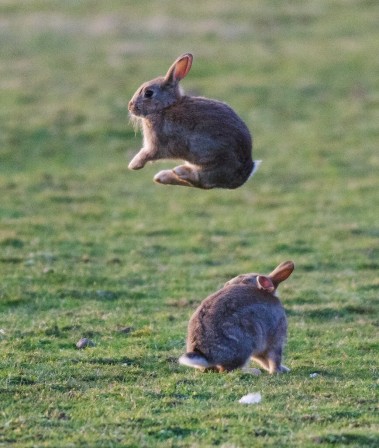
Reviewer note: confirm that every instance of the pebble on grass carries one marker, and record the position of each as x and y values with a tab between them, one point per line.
253	398
84	342
125	330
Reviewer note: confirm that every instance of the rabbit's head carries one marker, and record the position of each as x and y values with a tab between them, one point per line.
268	283
160	93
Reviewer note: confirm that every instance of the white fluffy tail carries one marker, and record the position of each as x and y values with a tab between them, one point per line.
257	164
193	359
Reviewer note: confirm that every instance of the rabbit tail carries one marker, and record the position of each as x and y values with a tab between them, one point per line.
256	165
194	359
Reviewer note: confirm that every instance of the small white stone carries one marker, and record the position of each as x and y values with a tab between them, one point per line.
252	398
84	342
313	375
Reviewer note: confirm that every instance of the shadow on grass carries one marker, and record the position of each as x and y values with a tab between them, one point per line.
12	260
171	432
331	313
346	439
102	295
106	361
41	301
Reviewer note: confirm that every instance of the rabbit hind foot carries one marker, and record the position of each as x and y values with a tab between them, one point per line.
271	365
169	177
277	368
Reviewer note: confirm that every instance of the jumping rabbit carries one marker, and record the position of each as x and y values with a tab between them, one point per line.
243	320
207	134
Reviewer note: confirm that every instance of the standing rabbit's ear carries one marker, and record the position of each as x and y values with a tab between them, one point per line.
265	283
179	69
282	272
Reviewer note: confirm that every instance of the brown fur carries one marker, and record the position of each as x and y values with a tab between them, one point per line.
207	134
243	320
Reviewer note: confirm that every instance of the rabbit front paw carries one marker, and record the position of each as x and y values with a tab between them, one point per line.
139	160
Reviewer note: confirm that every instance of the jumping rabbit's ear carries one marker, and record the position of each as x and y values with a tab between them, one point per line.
282	272
265	283
179	69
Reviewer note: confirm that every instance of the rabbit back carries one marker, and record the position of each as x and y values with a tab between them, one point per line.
236	323
204	129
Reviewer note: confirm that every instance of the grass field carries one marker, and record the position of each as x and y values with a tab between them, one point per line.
91	249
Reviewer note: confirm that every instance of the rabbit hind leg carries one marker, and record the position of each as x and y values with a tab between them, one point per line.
277	368
271	362
262	361
187	175
169	177
201	177
220	176
274	359
190	174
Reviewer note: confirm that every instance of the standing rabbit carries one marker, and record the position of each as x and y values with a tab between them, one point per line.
212	139
243	320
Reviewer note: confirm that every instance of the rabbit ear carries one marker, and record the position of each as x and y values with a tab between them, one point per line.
282	272
179	69
265	283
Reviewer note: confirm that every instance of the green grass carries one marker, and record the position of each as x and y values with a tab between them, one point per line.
88	248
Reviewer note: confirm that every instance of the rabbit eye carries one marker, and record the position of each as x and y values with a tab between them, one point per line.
148	93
